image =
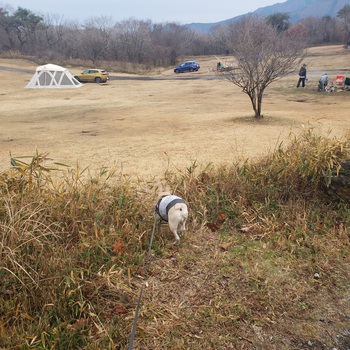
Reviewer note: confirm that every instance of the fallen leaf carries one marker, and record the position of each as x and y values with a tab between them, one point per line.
120	309
252	229
79	324
212	226
244	229
221	217
211	238
225	246
118	247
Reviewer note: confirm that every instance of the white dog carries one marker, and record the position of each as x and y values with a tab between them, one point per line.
172	209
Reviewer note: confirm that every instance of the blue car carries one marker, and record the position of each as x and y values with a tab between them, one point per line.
188	66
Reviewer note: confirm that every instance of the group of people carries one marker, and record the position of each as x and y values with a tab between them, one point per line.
322	83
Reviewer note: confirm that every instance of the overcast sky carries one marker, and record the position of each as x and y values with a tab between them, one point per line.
159	11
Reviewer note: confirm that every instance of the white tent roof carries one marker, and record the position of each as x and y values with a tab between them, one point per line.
50	66
52	76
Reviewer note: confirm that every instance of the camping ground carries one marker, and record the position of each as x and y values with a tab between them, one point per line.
144	127
264	262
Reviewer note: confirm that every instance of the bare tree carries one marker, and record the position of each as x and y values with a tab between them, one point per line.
132	40
177	40
49	38
319	30
94	38
4	29
344	15
70	45
262	55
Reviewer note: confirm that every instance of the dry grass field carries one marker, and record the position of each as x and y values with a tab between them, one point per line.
145	127
264	262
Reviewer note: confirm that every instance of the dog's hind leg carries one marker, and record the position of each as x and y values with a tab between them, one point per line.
174	230
177	238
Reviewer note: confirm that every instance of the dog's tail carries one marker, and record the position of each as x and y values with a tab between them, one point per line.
182	224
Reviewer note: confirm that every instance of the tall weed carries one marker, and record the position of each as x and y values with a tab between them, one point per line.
73	242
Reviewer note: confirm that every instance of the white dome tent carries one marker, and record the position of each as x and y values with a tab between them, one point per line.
53	76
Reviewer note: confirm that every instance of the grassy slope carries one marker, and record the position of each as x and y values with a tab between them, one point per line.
243	277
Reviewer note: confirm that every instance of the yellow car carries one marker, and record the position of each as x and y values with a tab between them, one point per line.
93	76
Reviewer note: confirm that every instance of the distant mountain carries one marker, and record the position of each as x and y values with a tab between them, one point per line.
297	10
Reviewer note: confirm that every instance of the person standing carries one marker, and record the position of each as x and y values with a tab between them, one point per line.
302	76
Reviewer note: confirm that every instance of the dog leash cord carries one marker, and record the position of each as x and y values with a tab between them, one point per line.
150	246
133	332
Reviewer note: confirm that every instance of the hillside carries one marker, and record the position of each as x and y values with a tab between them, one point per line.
297	9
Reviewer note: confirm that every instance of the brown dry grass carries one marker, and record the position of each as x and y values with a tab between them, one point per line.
243	275
142	127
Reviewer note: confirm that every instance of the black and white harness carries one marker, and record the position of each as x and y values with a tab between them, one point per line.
165	203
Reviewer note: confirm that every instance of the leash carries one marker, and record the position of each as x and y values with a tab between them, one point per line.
133	332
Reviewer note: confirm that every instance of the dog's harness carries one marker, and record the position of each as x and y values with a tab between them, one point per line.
165	203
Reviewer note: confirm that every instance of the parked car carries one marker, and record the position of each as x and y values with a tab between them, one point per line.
188	66
93	76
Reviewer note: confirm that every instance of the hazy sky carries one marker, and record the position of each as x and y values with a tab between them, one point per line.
159	11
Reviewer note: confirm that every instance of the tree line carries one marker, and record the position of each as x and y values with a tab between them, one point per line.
142	41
